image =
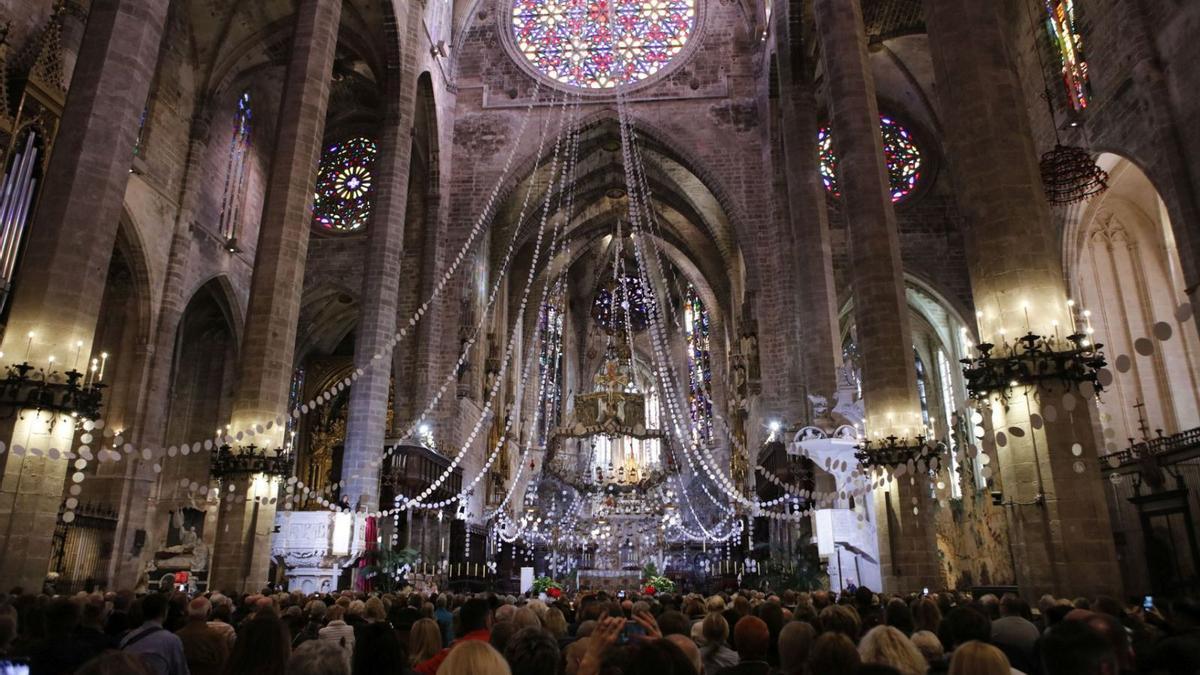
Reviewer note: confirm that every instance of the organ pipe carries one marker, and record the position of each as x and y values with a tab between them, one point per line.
15	202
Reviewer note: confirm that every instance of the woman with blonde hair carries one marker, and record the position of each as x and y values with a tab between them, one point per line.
886	645
474	657
525	617
979	658
715	604
713	653
424	641
555	623
374	610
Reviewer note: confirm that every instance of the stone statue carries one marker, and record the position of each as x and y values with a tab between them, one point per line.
200	556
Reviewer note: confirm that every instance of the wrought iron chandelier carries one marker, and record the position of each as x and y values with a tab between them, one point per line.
1069	175
1033	360
892	452
249	460
73	393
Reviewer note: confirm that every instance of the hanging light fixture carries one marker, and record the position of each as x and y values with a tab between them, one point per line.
1069	174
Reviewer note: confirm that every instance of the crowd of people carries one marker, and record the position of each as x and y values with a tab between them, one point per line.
593	633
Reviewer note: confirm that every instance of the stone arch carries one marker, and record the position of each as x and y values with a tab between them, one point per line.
1124	270
124	324
329	312
653	140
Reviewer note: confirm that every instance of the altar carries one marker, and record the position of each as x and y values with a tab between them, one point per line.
610	580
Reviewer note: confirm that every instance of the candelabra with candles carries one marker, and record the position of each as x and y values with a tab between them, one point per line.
892	452
249	460
1033	360
29	387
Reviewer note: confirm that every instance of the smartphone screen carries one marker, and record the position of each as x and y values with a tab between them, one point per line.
632	630
1148	602
13	668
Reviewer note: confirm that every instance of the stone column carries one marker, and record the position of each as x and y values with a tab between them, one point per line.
811	254
1062	538
242	551
367	421
909	555
66	259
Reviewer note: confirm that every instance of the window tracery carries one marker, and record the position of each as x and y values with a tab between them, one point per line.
903	157
696	328
344	192
1063	32
234	195
601	44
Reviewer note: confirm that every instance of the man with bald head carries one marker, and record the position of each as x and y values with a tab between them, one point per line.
689	649
752	638
204	648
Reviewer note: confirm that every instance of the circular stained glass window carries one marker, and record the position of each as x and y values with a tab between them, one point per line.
901	152
600	44
344	186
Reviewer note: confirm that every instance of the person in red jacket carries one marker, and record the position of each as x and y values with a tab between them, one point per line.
475	621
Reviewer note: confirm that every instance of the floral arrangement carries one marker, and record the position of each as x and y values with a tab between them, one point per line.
548	586
655	582
659	584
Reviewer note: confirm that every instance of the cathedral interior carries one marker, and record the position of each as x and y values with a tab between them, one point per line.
748	293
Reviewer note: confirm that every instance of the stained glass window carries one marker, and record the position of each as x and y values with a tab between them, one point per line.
696	328
344	186
139	142
235	173
899	150
599	44
295	391
949	405
1069	45
615	300
922	387
550	370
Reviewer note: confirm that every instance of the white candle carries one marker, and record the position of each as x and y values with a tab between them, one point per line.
28	346
103	362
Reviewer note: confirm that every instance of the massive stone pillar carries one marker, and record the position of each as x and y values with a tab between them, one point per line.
909	554
367	421
66	260
811	255
1062	539
241	555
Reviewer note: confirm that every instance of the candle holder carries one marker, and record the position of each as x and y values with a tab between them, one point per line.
226	462
893	452
28	387
1033	360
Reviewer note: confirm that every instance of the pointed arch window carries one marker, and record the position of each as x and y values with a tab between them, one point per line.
922	387
699	361
237	168
550	370
345	186
1061	26
139	141
949	406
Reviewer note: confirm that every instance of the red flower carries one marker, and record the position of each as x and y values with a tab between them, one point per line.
649	590
553	592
